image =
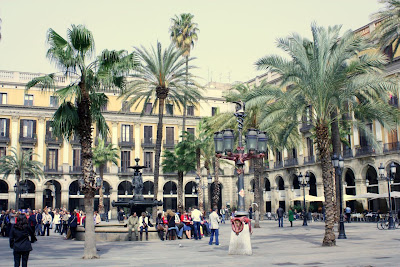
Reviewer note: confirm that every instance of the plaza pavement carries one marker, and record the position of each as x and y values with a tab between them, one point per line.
272	246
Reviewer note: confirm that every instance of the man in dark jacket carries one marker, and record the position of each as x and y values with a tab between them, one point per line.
38	219
32	220
280	212
19	240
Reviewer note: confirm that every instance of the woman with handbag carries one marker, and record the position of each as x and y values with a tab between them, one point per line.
73	224
160	226
20	242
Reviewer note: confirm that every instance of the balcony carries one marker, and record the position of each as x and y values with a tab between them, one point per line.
365	151
309	160
105	170
347	153
170	144
74	141
28	140
306	127
291	162
52	140
391	147
125	171
53	170
148	143
75	169
107	141
123	142
148	170
4	138
278	164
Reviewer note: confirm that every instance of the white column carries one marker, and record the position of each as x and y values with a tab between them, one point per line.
14	131
65	152
137	141
114	134
40	139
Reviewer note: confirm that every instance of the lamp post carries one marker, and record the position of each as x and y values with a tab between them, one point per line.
256	144
338	164
303	182
389	179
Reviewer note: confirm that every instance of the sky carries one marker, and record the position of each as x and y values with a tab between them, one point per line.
233	34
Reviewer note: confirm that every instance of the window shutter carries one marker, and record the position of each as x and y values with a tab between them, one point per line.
21	127
47	158
7	127
48	127
56	159
130	133
34	128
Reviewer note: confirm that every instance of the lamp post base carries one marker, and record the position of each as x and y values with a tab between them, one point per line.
241	244
342	234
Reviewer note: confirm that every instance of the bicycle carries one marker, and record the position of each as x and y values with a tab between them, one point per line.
383	223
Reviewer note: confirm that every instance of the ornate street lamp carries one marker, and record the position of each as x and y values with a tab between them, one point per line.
389	179
338	164
256	144
303	182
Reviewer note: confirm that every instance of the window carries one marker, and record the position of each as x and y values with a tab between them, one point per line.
148	161
190	110
125	160
52	159
148	108
3	151
190	130
148	134
126	133
169	109
169	136
125	106
76	158
4	126
310	147
214	111
53	101
28	128
28	101
278	156
3	98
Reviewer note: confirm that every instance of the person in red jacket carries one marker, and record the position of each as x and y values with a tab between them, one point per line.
78	217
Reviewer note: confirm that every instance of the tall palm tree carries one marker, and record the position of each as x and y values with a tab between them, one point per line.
161	77
101	156
22	165
181	160
387	31
184	34
82	101
329	74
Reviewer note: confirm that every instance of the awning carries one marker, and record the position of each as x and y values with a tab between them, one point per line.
309	198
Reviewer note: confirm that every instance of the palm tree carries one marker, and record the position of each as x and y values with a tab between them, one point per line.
22	165
184	35
181	160
82	101
161	77
329	74
101	156
387	30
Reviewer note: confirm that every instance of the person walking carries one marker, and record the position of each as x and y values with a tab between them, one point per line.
133	223
250	213
348	214
57	222
214	225
38	226
144	224
46	222
222	211
73	224
291	217
196	217
280	212
20	242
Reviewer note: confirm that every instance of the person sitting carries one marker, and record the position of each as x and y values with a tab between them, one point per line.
160	226
171	225
133	223
185	218
144	225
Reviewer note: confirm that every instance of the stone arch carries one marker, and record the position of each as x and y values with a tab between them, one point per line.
31	187
191	188
294	181
148	188
3	187
280	183
267	184
52	194
125	188
170	188
350	182
371	174
74	188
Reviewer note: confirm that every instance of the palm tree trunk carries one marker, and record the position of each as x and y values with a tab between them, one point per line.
161	104
337	149
323	144
216	191
85	135
184	101
257	174
18	178
101	198
181	205
200	185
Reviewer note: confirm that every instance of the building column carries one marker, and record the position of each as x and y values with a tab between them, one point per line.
40	140
14	132
113	197
114	141
138	144
65	151
39	198
64	198
361	188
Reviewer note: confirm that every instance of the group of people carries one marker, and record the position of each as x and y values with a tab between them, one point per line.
172	225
